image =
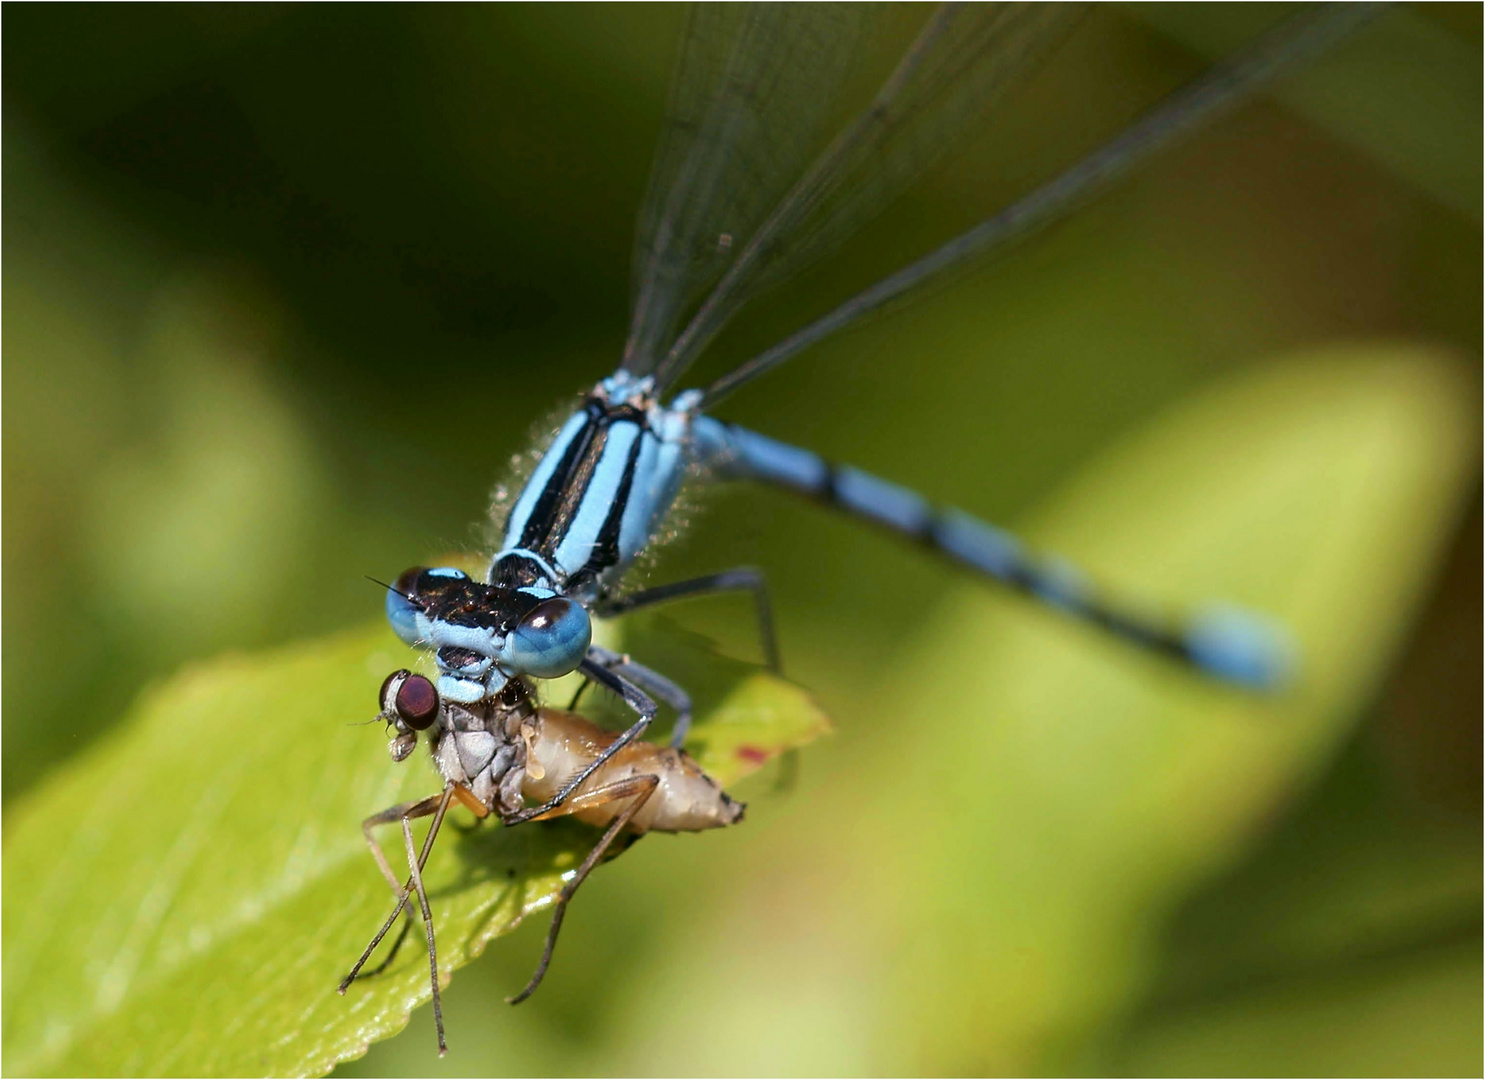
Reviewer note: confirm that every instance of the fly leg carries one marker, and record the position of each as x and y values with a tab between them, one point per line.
416	875
391	815
638	789
438	806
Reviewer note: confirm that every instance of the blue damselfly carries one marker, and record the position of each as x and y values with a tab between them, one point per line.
749	188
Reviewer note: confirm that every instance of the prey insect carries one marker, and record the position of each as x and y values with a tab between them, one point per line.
494	758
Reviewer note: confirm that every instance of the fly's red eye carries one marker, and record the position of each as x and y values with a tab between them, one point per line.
417	702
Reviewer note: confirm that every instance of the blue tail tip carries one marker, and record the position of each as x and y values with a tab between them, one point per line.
1241	647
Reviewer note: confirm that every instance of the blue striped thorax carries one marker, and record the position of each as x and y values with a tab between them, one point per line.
483	635
599	493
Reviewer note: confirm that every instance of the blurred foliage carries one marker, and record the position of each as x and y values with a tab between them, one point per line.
285	286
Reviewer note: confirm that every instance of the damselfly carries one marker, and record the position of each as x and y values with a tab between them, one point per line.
743	196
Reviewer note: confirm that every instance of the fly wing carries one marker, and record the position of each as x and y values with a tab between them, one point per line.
750	101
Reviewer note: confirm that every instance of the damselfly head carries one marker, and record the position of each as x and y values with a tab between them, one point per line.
525	629
414	592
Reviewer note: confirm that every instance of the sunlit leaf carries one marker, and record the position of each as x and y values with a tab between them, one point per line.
184	898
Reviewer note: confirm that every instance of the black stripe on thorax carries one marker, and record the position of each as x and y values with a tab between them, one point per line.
563	496
606	549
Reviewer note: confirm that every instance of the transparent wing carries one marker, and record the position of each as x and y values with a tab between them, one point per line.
1298	40
750	102
965	56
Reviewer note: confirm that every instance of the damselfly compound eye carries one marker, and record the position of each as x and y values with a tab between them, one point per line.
402	613
551	640
407	581
414	591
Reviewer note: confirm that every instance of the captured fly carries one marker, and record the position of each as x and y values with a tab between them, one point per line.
496	757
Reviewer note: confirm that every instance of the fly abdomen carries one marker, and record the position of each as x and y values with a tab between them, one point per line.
560	744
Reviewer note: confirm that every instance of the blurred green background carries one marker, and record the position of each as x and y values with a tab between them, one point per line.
286	287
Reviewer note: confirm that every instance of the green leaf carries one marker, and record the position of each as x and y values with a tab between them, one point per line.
184	898
970	886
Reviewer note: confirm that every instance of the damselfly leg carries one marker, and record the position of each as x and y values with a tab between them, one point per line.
652	682
635	698
636	788
741	579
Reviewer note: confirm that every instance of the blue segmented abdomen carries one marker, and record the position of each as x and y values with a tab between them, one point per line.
1227	642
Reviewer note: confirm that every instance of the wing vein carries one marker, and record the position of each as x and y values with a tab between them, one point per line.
1223	86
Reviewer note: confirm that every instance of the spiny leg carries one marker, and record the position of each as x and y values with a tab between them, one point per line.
652	682
641	788
636	699
403	891
741	579
417	881
392	814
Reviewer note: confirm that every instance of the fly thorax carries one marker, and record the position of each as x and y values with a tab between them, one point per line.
490	780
